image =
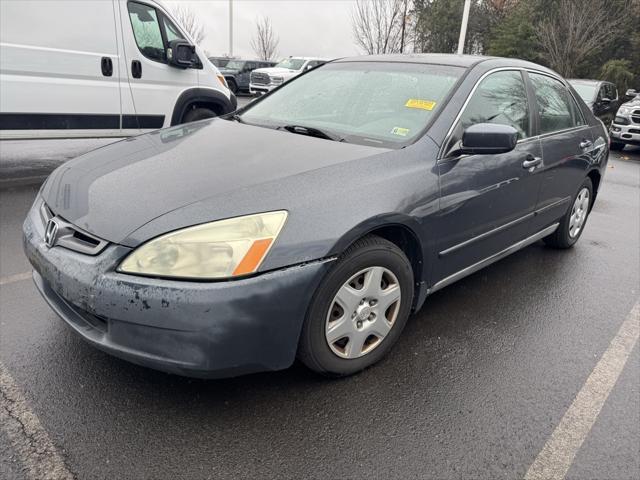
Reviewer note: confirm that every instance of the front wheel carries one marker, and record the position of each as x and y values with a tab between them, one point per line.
573	223
198	114
359	309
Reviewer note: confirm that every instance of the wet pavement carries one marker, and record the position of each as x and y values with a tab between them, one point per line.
479	380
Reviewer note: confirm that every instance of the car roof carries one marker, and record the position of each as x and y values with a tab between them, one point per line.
585	81
465	61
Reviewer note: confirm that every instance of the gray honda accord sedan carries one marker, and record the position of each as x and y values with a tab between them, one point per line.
312	222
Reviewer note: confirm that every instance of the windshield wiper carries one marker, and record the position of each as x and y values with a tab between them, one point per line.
237	118
311	132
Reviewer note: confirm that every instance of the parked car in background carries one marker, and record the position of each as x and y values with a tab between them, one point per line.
601	97
264	80
100	69
313	221
625	129
237	72
220	61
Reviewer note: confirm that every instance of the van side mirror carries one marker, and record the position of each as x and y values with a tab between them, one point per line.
180	53
488	138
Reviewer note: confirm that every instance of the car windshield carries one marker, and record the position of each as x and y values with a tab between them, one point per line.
383	104
291	63
234	65
586	90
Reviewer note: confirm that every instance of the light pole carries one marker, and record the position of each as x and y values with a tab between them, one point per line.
463	27
231	28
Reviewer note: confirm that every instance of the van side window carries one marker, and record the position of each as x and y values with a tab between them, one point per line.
171	30
557	108
146	30
500	98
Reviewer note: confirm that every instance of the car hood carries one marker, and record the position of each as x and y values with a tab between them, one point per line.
276	71
114	190
635	102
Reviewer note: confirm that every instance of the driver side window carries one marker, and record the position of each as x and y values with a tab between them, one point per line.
500	98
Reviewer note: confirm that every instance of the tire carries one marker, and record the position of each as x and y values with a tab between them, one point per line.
616	146
233	87
375	330
565	235
198	114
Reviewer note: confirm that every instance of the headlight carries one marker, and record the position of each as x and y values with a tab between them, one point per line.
277	80
624	111
222	249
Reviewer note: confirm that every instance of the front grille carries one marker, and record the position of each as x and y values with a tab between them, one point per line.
69	236
260	78
635	116
634	130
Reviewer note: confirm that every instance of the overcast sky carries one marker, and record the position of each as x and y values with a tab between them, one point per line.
306	27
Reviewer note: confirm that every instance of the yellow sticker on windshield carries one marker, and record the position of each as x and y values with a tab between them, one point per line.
423	104
403	132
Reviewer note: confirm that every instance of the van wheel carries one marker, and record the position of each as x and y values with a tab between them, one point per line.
359	310
573	223
616	146
198	114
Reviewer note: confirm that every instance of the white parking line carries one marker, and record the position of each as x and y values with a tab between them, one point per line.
30	442
556	457
18	277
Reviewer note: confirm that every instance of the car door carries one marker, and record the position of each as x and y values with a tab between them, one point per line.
154	84
567	146
486	201
245	74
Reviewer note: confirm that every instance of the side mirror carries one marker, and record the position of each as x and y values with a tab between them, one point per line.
606	100
487	139
180	53
631	93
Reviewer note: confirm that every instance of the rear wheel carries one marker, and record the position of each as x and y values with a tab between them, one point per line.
616	146
199	113
359	310
573	223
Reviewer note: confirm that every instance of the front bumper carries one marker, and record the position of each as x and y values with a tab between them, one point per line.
199	329
625	133
261	89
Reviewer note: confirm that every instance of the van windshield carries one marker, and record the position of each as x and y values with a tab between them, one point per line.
585	90
291	63
371	103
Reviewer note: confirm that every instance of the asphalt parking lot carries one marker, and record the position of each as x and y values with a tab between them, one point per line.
482	378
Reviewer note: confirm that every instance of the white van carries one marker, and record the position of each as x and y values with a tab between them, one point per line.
100	68
264	80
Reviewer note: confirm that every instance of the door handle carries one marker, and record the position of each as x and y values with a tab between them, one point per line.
585	144
136	69
107	66
531	162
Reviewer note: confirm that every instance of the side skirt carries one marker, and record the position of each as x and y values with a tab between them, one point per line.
493	258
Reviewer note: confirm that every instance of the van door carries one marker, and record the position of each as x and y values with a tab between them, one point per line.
155	85
59	72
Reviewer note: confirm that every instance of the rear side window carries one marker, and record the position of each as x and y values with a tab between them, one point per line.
500	98
146	30
556	107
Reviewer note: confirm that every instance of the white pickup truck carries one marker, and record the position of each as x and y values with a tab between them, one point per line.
264	80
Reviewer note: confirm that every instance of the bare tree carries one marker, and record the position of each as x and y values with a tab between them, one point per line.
378	25
189	21
578	29
265	43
